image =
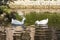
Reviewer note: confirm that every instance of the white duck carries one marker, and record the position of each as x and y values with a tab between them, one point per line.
16	22
45	21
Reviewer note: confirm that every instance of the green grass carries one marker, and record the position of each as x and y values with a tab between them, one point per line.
5	9
54	18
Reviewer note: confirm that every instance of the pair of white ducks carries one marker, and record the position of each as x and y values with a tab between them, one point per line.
16	22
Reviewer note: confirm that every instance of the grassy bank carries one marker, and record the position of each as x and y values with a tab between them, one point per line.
54	18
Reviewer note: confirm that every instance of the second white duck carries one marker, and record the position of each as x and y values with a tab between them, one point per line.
45	21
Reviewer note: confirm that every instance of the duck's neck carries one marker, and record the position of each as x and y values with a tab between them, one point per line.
22	20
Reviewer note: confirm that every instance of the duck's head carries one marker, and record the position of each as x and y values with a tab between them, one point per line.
47	19
24	18
36	21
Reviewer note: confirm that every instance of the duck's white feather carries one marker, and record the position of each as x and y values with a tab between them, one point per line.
45	21
16	22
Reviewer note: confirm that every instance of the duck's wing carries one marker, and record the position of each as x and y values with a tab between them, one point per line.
43	21
15	22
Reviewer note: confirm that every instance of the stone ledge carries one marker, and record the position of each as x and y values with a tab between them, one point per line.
35	6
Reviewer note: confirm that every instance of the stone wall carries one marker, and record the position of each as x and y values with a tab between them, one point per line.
36	8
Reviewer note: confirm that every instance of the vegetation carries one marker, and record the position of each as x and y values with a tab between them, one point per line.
18	17
5	20
54	18
5	9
